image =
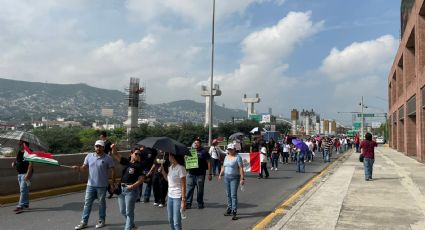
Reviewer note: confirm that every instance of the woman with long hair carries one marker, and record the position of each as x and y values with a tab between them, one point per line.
176	178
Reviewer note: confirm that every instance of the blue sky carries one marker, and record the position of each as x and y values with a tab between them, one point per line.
313	54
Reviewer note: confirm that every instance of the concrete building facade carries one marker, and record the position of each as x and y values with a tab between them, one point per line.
406	84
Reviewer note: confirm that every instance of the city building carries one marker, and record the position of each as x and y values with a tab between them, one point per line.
406	81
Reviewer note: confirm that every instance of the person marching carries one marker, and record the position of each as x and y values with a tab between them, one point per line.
131	178
25	171
368	150
176	178
216	153
233	176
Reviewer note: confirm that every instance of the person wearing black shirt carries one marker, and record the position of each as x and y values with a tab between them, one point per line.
131	178
147	158
25	170
159	183
107	150
196	176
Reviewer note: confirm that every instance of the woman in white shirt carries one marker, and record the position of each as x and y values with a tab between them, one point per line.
176	178
216	153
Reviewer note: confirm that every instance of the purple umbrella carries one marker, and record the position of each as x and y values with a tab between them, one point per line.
300	144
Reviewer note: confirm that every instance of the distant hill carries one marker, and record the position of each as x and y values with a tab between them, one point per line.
22	101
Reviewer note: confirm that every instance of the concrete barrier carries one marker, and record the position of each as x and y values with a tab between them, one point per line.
47	176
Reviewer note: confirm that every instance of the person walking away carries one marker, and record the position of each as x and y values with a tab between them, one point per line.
176	178
357	142
368	150
327	145
196	176
159	183
309	154
25	171
216	153
131	178
104	137
233	176
263	162
147	158
275	156
301	154
99	165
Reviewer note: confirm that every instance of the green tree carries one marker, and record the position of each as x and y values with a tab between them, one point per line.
60	140
283	127
87	138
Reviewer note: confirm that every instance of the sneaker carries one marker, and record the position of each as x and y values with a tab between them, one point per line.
18	210
133	227
155	204
160	206
81	226
201	206
228	212
100	224
27	206
271	168
275	169
234	217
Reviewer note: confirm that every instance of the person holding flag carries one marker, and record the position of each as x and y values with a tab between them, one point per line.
25	170
98	164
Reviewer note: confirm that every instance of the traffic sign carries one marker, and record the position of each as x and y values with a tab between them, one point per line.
357	125
366	115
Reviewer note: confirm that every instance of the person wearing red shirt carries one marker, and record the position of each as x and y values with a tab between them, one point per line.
368	151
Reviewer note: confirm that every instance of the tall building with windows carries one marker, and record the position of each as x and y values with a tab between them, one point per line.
406	83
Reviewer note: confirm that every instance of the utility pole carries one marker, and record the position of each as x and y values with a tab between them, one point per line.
210	126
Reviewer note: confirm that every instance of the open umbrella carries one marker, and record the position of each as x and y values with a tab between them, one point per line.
257	129
236	136
165	144
300	144
12	138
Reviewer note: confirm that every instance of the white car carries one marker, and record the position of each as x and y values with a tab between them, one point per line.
380	140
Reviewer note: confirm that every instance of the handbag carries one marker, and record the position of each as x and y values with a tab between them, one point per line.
361	158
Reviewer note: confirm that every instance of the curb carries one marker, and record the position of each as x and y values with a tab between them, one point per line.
44	193
282	207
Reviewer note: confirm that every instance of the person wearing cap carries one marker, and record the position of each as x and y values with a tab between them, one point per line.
216	153
233	176
99	166
263	162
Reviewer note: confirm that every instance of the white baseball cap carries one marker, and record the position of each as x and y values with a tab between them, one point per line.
231	146
100	142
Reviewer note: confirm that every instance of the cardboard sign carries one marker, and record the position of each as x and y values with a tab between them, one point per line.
192	160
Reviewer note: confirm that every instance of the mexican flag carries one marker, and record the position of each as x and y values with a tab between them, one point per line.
251	162
39	157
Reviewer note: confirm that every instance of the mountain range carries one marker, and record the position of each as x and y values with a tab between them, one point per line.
23	101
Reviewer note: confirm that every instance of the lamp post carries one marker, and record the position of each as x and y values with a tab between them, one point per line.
210	126
362	117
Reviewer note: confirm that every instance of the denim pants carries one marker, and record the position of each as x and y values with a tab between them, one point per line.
23	190
231	183
275	160
174	215
193	181
216	165
93	193
148	190
126	203
368	167
326	157
300	163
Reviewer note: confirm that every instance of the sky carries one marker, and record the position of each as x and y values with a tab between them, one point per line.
305	54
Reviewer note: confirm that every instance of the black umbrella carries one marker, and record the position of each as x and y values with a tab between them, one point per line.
236	136
12	138
165	144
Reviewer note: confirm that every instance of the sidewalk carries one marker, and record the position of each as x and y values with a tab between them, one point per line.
395	199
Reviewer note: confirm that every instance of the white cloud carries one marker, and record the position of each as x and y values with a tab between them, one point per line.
262	69
360	59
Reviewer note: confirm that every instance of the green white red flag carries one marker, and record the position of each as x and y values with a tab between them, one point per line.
251	162
39	157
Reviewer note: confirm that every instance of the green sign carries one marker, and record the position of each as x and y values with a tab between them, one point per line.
366	115
192	160
256	117
351	133
357	125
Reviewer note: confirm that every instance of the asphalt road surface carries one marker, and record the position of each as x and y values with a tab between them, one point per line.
261	196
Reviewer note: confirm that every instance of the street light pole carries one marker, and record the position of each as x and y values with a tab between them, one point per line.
210	126
362	121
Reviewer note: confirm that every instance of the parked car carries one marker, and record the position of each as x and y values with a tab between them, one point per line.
380	140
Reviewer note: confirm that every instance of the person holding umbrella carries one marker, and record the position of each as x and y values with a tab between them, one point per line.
25	171
131	178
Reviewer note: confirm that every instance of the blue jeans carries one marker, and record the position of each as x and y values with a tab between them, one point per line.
326	157
126	202
174	215
300	163
193	181
275	160
368	167
23	190
231	184
91	194
216	165
147	193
